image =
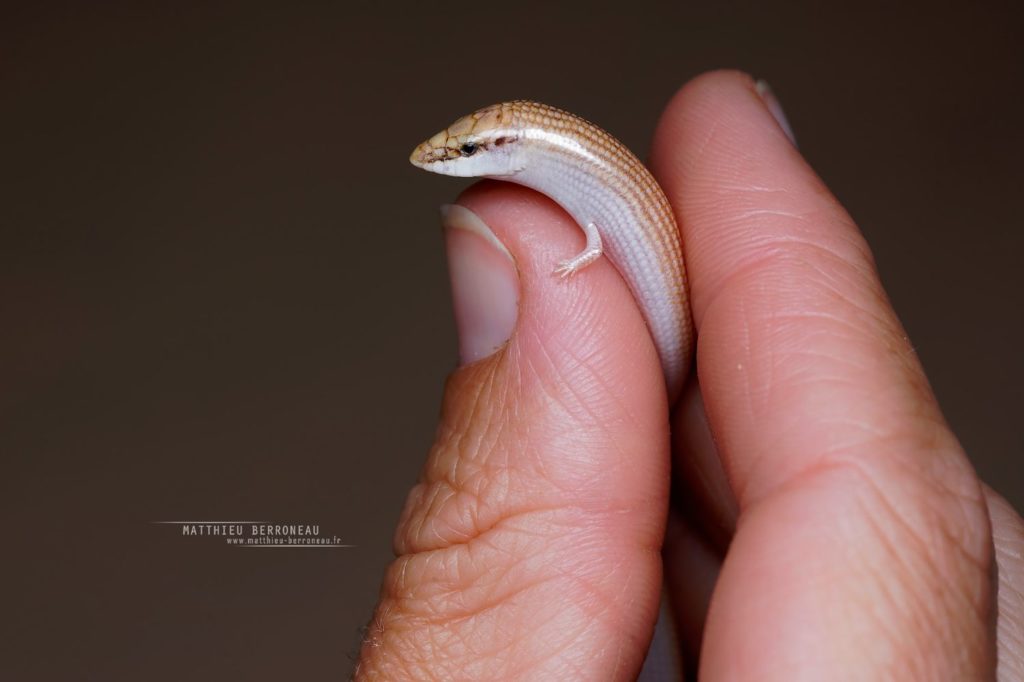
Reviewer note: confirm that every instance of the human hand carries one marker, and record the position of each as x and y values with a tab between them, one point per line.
828	505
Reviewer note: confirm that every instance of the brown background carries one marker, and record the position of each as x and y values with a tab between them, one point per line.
223	292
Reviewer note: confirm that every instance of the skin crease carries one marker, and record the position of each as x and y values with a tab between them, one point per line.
817	488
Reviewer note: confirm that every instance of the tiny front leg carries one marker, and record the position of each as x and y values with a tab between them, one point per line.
588	255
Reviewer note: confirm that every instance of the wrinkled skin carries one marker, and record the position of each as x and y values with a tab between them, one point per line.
824	524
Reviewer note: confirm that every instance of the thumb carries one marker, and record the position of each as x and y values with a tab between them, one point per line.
531	540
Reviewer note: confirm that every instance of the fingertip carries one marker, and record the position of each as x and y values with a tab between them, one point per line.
709	85
484	283
740	188
695	104
785	296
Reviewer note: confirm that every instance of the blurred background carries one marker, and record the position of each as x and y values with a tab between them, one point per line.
223	292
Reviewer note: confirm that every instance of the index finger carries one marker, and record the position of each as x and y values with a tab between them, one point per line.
863	541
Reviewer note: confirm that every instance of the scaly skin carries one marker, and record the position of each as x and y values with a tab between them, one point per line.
606	189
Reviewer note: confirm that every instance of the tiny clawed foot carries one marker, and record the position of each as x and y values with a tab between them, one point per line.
565	269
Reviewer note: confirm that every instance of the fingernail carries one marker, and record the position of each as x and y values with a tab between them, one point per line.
775	107
485	284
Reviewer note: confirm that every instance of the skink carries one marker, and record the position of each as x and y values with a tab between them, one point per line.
602	185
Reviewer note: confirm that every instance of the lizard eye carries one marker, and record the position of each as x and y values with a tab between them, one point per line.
469	149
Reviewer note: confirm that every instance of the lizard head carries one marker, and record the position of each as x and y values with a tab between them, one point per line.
483	143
